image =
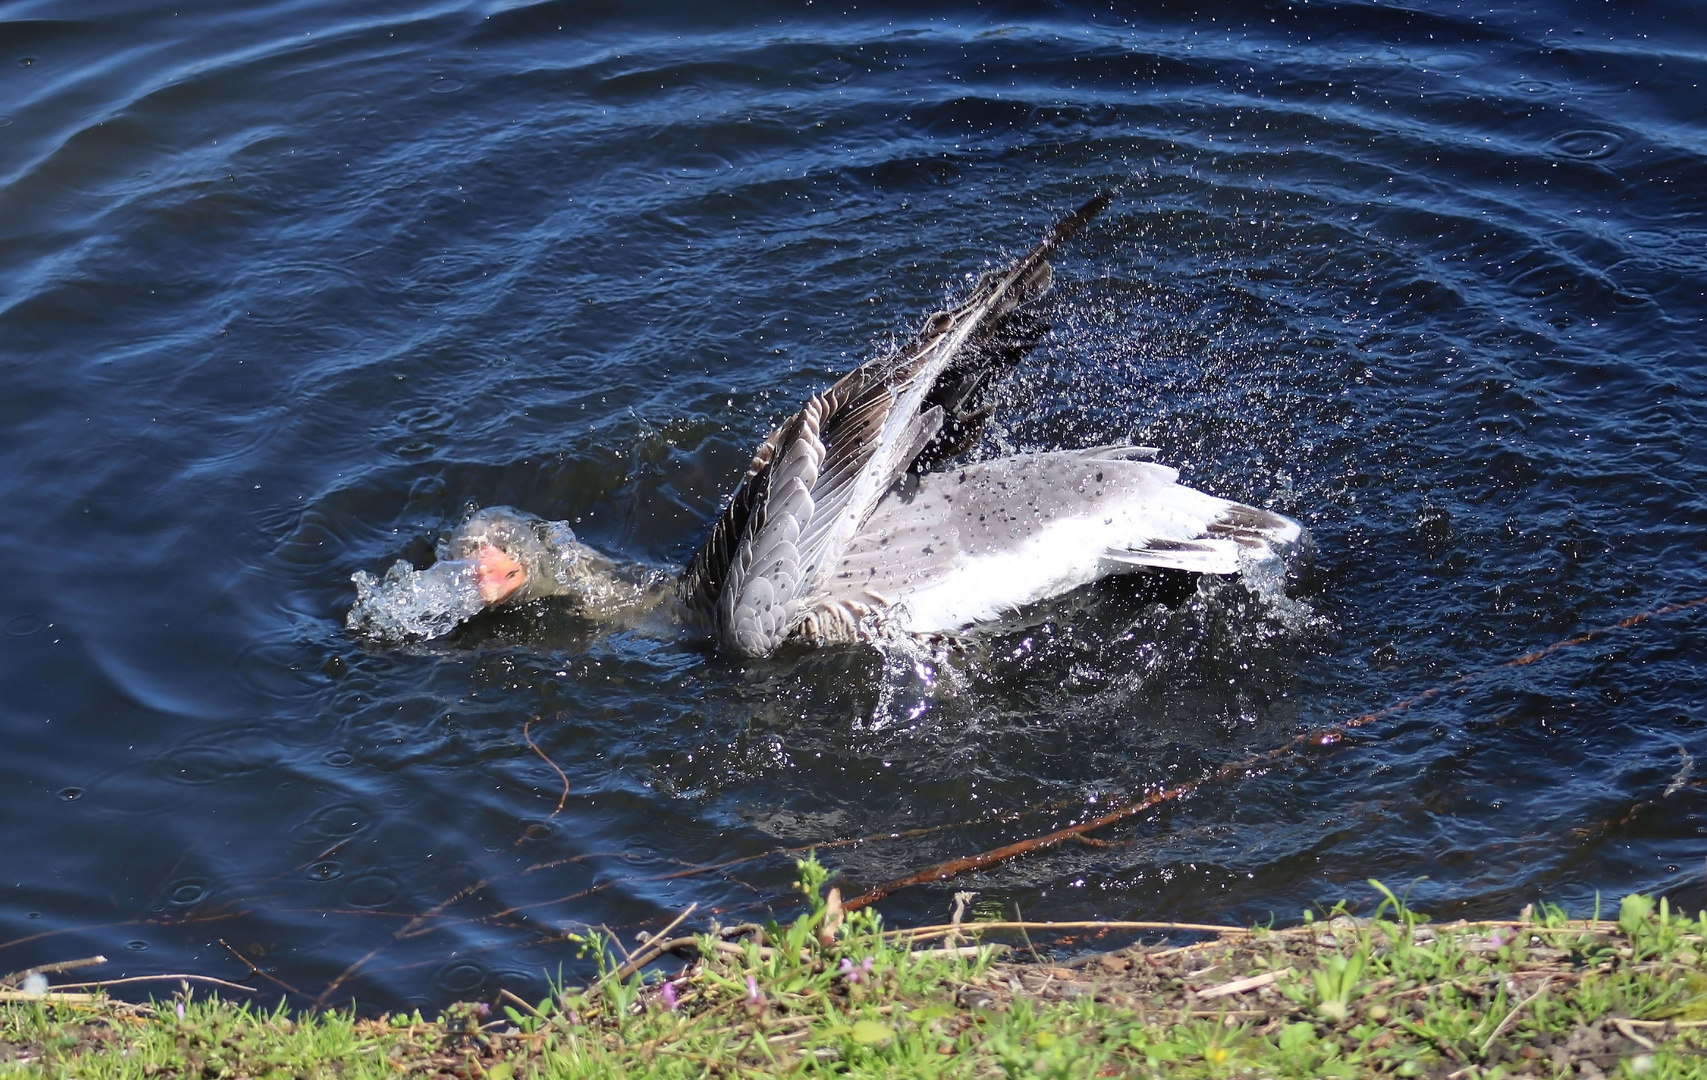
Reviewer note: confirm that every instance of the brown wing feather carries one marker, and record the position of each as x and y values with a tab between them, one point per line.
702	581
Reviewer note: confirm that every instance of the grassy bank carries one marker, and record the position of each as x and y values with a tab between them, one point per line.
1540	995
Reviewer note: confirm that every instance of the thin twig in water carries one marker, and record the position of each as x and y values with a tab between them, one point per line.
244	960
561	775
343	976
328	853
413	928
25	940
955	867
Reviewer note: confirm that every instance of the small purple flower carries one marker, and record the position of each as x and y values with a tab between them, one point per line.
753	997
855	974
1501	938
180	1010
668	994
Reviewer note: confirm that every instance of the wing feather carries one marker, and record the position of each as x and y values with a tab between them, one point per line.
817	477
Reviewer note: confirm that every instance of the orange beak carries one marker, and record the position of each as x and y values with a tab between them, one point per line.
497	574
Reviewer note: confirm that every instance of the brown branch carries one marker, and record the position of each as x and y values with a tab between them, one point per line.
561	775
843	842
409	930
954	867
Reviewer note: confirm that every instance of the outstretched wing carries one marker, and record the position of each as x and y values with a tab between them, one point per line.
817	477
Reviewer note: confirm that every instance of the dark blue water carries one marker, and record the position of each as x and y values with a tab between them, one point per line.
285	289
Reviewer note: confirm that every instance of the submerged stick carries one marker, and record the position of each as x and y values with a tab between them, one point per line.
244	960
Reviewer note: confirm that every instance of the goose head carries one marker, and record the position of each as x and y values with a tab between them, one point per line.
499	557
511	557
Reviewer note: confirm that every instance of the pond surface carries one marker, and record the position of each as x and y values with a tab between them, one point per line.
285	289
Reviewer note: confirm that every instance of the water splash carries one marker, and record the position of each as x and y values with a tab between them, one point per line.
1286	614
409	604
917	672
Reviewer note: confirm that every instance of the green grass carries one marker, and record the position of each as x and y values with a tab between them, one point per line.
1541	996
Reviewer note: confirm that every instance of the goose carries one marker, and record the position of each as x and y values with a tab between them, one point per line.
852	522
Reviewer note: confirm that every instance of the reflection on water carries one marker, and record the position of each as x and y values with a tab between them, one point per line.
285	291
